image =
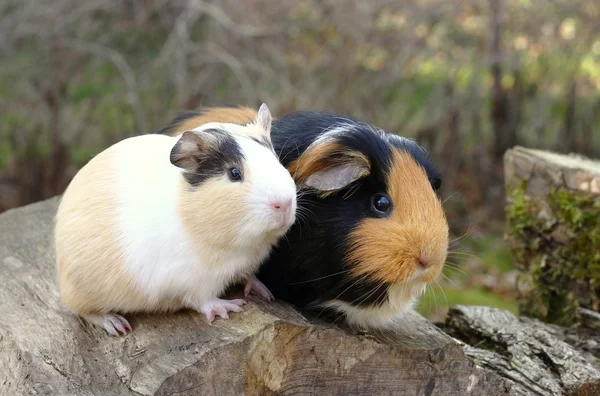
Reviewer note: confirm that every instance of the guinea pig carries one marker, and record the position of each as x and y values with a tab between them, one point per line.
159	223
370	231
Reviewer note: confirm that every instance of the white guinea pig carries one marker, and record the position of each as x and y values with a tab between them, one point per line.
157	223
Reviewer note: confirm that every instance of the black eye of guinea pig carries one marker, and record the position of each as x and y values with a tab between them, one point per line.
235	174
381	204
436	183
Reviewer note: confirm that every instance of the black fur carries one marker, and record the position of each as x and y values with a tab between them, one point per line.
307	266
215	162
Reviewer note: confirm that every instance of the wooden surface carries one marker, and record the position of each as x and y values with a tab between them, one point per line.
548	171
535	356
268	349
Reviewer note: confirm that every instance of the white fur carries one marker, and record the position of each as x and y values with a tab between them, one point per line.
164	263
270	182
401	298
333	131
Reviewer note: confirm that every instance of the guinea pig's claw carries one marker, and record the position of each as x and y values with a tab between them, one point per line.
114	324
259	288
219	307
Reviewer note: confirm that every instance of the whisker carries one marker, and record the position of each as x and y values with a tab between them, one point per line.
361	278
450	264
466	234
382	297
464	254
447	278
450	196
458	270
367	295
322	277
351	191
429	292
442	290
306	211
283	146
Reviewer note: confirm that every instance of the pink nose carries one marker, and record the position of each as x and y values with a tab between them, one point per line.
281	205
423	262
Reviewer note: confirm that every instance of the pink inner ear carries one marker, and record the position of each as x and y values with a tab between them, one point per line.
264	118
188	146
335	178
185	152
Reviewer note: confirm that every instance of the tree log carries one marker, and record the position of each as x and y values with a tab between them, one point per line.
270	348
528	352
554	232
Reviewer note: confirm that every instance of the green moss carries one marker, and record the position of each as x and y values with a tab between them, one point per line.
558	253
435	299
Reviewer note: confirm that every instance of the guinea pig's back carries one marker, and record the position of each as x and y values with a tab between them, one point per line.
89	235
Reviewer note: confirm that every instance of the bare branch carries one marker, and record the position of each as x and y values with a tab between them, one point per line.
126	72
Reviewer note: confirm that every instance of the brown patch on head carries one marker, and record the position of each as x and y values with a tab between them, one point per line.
388	249
230	115
328	166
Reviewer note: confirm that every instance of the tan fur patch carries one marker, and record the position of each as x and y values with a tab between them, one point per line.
91	275
388	249
231	115
218	225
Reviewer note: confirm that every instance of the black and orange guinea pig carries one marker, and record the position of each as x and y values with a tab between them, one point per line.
370	232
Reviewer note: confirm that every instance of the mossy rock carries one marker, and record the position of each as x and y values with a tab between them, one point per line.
553	215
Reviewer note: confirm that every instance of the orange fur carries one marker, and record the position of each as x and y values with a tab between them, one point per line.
312	160
321	157
231	115
388	249
216	226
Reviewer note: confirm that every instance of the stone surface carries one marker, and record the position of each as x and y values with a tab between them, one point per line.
270	348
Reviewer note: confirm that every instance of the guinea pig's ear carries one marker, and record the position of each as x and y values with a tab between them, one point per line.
328	166
187	152
264	119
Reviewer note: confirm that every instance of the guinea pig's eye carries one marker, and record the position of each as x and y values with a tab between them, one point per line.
436	183
235	174
381	204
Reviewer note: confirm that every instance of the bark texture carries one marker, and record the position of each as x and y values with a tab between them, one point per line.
270	349
531	354
554	232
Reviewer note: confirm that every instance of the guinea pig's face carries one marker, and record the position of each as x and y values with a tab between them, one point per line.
405	235
267	191
236	191
390	220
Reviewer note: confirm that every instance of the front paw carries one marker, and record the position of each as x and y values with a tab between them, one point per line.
219	307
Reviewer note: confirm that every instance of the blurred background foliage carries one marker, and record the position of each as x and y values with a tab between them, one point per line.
467	79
